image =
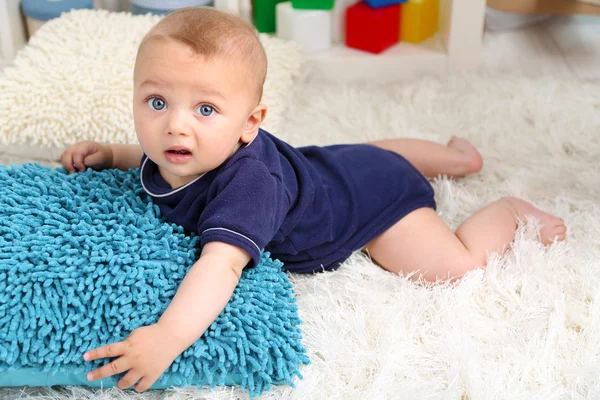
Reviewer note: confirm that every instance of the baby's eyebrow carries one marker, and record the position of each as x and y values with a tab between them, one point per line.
211	92
156	83
201	90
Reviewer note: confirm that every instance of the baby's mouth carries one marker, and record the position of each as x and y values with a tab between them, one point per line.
178	155
179	152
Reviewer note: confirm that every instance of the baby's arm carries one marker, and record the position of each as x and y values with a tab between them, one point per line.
204	293
98	156
149	350
125	156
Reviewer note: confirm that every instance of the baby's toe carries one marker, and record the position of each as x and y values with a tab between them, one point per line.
559	232
559	221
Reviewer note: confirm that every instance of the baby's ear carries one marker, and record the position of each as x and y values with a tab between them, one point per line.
253	123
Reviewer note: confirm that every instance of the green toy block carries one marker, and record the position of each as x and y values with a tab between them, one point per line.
313	4
263	13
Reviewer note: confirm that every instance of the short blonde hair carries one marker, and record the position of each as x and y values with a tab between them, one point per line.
213	33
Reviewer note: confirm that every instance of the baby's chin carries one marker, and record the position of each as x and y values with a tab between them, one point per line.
178	176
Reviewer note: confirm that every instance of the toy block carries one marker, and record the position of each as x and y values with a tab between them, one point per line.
230	6
372	29
338	20
383	3
419	20
312	4
311	29
263	13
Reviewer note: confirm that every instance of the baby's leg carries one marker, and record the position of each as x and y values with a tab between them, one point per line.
457	158
421	241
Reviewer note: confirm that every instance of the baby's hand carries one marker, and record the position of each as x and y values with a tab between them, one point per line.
87	154
146	353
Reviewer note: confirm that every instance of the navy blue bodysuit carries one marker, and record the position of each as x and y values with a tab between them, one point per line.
310	207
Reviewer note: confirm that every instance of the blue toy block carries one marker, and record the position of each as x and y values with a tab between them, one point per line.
383	3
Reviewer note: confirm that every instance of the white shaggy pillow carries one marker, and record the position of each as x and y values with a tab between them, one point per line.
74	81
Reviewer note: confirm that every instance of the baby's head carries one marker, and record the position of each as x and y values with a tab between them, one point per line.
198	82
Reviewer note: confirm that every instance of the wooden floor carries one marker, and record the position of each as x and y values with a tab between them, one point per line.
564	46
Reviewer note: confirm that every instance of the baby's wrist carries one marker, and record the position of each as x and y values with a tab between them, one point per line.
178	339
110	156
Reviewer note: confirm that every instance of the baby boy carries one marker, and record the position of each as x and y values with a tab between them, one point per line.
206	162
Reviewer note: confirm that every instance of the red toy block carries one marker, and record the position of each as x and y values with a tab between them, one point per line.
372	29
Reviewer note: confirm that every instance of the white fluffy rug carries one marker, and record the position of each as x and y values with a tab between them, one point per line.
528	327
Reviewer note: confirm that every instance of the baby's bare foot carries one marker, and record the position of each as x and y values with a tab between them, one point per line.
473	160
551	227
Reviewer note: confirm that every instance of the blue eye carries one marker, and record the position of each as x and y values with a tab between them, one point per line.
156	103
205	110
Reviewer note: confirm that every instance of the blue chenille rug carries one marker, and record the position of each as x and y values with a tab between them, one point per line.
86	258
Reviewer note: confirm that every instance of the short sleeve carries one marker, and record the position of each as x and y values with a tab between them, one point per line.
246	207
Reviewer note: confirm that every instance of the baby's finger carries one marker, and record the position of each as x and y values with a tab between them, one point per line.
95	159
117	366
67	160
78	161
110	350
146	383
130	379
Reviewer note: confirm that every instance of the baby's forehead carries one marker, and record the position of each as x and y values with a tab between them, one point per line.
232	63
241	68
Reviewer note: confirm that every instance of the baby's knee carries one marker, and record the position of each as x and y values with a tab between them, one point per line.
464	265
452	270
511	200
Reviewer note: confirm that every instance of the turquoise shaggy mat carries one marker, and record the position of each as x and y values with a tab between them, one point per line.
86	258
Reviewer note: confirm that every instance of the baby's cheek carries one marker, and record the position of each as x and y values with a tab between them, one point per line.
144	130
146	144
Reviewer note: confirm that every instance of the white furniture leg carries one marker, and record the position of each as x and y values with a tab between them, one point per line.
461	26
230	6
12	30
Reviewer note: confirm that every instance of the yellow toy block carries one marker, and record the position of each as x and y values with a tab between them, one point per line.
419	20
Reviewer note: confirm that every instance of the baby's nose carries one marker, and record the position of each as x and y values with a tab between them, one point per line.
178	123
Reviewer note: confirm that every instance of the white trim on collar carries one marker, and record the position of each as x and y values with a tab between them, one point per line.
187	184
165	194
